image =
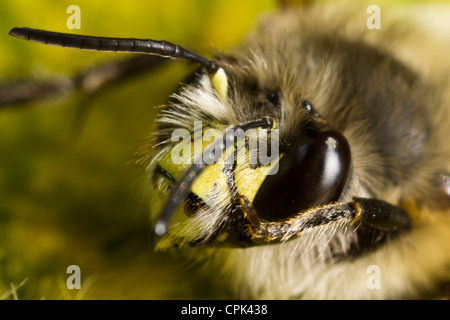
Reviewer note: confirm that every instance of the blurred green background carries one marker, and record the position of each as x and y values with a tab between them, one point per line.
76	199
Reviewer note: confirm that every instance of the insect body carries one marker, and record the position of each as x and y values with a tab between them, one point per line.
359	172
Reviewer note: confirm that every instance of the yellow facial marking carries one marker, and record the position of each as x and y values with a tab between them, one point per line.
219	81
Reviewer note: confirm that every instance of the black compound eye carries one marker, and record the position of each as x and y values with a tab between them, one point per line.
311	173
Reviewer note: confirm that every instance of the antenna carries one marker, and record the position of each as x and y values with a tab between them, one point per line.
143	46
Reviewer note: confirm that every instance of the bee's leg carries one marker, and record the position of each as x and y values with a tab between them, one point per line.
381	215
251	217
236	232
374	213
89	81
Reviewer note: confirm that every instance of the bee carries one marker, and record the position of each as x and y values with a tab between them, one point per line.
355	200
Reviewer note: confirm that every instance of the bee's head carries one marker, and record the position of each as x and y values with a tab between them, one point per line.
326	148
268	172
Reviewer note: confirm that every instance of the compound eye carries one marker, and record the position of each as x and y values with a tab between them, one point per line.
311	173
